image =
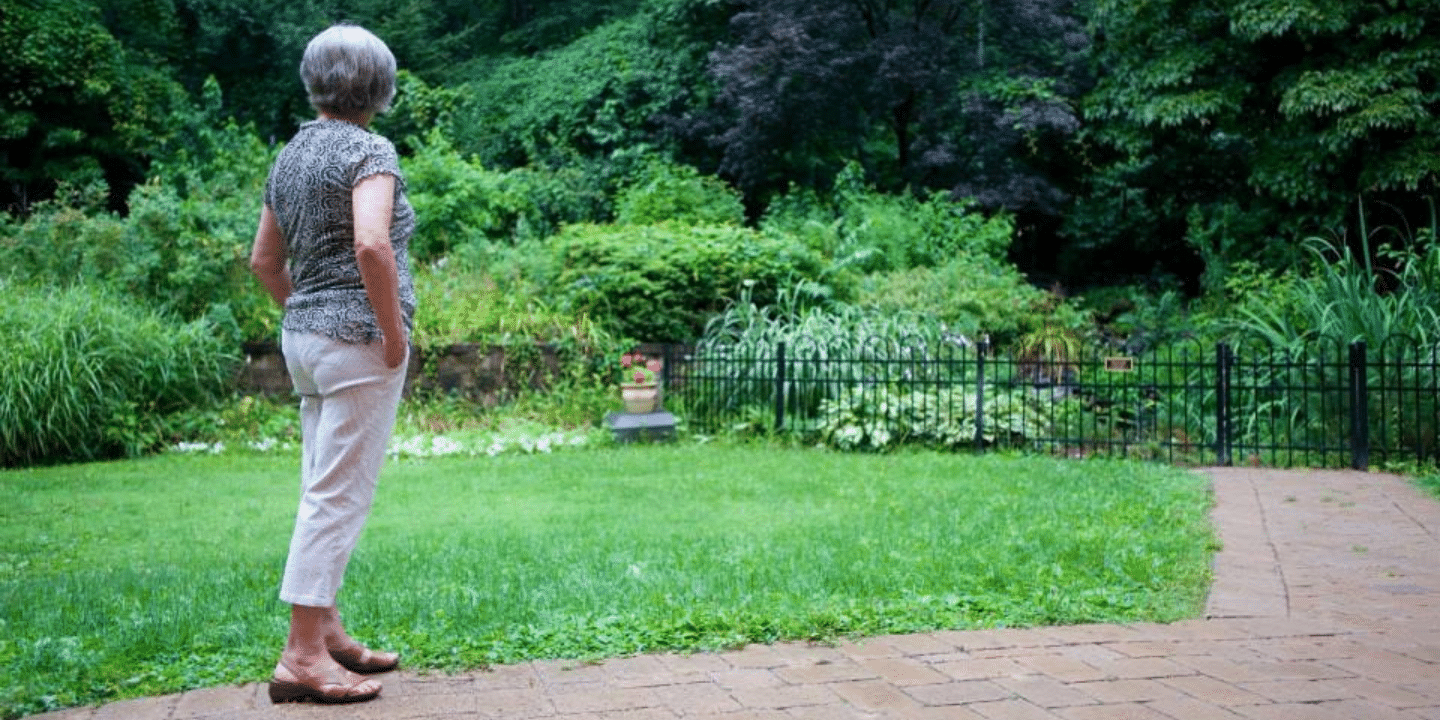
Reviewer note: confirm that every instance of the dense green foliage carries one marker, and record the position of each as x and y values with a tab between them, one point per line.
84	376
1168	138
1237	126
664	282
117	587
460	203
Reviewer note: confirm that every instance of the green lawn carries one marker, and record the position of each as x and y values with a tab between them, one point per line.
153	576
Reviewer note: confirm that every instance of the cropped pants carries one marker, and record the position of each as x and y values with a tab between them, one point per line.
348	401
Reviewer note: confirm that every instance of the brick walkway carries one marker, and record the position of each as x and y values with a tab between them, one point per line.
1326	605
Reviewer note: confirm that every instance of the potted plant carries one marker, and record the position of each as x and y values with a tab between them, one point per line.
640	382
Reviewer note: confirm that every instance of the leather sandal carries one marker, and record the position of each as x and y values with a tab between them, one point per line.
360	659
317	688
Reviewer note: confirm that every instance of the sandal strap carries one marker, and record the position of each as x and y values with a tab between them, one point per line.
325	685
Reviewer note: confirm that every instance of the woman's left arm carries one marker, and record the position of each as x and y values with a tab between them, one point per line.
267	257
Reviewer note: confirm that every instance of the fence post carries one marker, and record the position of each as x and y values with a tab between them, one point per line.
1223	361
980	350
1359	407
779	386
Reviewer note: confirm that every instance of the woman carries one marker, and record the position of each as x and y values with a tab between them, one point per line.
331	250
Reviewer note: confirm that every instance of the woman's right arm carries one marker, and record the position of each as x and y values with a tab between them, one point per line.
267	257
373	200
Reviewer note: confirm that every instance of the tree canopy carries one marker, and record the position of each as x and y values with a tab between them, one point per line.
1235	127
1161	137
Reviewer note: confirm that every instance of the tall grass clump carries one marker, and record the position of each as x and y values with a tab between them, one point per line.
1349	296
84	374
1292	331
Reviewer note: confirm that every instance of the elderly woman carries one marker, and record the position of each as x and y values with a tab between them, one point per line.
331	250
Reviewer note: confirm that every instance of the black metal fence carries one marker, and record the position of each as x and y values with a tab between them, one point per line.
1328	405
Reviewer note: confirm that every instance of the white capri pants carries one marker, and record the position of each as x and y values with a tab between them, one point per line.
348	401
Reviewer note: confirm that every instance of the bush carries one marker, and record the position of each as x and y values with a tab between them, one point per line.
973	296
661	283
860	228
458	202
182	249
84	374
680	194
883	419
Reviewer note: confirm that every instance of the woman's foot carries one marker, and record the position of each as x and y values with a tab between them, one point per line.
360	659
354	656
322	682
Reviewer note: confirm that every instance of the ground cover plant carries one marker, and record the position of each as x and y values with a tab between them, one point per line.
155	575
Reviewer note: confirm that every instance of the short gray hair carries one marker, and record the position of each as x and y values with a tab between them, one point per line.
347	70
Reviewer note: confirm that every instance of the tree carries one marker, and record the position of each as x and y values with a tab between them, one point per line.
77	105
951	94
606	93
1228	129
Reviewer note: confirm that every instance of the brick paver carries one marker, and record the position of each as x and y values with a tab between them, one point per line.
1325	604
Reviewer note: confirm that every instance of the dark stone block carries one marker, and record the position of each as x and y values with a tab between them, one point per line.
629	427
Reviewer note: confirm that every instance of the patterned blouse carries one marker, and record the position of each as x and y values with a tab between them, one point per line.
309	193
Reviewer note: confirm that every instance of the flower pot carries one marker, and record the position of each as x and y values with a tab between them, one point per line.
640	398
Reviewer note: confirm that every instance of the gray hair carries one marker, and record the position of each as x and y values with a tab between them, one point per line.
347	71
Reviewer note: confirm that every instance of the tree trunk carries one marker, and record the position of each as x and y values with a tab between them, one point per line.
900	120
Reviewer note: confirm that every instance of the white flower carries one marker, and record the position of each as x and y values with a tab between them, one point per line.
445	446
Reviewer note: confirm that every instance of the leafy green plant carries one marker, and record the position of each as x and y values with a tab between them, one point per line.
883	419
860	228
665	192
1050	355
975	297
458	202
1343	299
657	283
829	350
182	248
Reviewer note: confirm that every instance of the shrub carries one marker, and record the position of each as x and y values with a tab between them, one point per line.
84	374
861	228
458	202
882	419
663	282
183	247
973	296
678	193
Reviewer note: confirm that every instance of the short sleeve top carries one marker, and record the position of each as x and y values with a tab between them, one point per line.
309	193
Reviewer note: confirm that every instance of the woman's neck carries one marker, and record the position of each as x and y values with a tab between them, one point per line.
361	119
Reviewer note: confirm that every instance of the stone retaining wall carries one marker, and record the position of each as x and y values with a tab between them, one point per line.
479	372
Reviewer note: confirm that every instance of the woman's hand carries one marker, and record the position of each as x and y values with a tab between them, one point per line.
396	351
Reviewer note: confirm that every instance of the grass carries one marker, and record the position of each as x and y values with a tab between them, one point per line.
157	575
1429	482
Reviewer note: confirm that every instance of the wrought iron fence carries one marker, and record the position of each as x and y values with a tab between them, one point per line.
1330	404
